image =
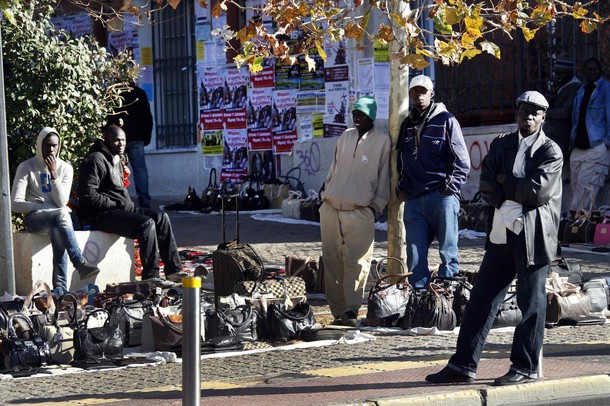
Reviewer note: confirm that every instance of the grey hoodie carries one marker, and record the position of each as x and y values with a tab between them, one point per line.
33	188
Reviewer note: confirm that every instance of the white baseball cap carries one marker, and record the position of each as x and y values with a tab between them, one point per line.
421	80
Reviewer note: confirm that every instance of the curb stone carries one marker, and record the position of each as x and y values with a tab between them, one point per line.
548	391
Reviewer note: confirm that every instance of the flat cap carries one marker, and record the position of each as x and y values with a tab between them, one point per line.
533	97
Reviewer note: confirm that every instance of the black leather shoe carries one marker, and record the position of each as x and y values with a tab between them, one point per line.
512	378
159	282
448	375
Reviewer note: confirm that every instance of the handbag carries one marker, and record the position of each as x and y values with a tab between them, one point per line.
232	263
166	331
474	214
209	196
387	301
579	230
241	322
191	202
276	287
60	333
291	206
128	315
565	300
601	236
509	314
227	197
285	324
596	291
92	342
276	192
434	308
39	308
310	207
252	195
25	349
567	269
293	180
305	268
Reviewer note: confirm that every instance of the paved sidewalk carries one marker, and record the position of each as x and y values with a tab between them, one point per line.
388	370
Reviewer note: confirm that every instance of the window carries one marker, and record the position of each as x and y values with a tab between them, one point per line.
174	77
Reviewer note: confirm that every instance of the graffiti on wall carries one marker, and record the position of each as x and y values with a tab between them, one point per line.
309	159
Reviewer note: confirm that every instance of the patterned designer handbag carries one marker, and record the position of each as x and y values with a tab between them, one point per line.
60	333
234	263
388	301
277	287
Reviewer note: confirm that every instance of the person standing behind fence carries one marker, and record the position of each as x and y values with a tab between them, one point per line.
41	190
357	188
135	118
590	138
558	124
521	179
433	165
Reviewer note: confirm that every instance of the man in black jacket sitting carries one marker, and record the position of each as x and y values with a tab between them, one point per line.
105	205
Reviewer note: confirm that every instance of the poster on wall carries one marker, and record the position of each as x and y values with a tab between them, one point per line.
337	106
212	99
312	79
266	77
262	164
336	53
235	97
234	155
259	119
211	142
366	75
76	25
284	114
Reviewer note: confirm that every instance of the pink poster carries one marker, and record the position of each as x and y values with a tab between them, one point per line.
284	117
266	77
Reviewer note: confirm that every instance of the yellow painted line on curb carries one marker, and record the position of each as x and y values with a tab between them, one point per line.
371	368
221	385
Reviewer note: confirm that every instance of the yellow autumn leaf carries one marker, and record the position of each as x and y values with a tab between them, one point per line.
385	33
588	26
452	16
490	48
415	61
320	49
203	4
469	54
425	52
256	66
353	31
174	3
578	11
528	33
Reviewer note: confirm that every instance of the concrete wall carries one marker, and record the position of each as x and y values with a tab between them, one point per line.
34	260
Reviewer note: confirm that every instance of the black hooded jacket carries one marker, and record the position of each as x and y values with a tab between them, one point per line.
100	183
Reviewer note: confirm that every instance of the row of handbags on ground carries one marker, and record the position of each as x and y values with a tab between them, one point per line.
253	194
586	227
297	206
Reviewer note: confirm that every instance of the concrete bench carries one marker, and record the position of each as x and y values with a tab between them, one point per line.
111	253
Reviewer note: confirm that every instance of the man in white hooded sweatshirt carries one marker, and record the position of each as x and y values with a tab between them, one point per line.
41	190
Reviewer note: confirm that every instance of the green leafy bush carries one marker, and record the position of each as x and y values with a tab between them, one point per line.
54	80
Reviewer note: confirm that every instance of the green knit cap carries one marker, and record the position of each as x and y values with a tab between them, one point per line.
367	105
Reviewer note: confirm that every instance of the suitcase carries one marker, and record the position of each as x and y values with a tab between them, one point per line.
233	261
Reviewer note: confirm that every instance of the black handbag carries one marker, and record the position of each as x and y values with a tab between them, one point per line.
509	314
310	207
92	342
566	268
252	196
242	322
387	301
22	348
209	197
228	195
128	315
285	324
435	309
191	202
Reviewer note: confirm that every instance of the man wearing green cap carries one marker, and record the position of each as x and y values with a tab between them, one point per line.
357	188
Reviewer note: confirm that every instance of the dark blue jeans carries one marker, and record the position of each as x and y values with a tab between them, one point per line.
426	217
500	265
58	224
137	160
152	229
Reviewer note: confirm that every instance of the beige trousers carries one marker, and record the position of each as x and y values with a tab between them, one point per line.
347	247
589	168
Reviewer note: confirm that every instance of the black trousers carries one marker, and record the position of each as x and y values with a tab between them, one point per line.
152	229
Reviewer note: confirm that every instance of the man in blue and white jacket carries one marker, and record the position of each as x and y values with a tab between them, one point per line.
433	165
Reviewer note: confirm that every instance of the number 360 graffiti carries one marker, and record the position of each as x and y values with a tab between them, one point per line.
309	159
